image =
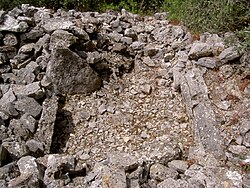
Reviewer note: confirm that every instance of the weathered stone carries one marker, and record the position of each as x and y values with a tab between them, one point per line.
15	149
123	160
10	40
246	141
126	40
179	165
94	57
34	146
160	172
46	123
27	48
31	90
19	129
244	126
12	25
53	24
130	33
208	62
177	74
8	97
172	183
200	49
238	150
229	54
61	39
70	74
149	62
42	43
194	92
80	33
33	35
137	45
114	177
29	174
25	76
28	105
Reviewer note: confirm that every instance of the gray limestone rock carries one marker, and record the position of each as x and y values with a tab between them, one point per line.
15	149
13	25
80	33
94	57
34	146
31	90
172	183
246	141
123	160
10	40
208	62
27	48
28	105
228	54
47	121
53	24
195	94
179	165
42	43
200	49
114	177
160	172
29	176
61	39
70	74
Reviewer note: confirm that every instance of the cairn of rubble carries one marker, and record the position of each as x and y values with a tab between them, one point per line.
119	100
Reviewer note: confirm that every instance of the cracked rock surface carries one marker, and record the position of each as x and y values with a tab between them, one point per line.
108	100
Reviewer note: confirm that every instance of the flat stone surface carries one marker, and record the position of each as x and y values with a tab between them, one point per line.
70	74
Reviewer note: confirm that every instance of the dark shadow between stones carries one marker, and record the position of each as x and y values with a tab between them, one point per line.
64	126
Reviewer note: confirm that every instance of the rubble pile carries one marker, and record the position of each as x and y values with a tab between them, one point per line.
115	99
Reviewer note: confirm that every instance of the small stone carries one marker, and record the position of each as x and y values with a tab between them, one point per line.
200	50
208	62
246	141
10	40
229	54
146	89
102	109
179	165
144	135
160	172
34	146
126	139
28	105
148	61
237	149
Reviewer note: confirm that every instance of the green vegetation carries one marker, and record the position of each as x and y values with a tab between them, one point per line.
212	16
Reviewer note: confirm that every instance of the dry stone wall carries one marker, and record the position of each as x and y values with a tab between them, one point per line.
47	56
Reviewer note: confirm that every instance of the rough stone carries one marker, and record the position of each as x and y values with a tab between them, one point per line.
200	49
70	74
46	123
31	90
28	105
10	40
34	146
208	62
160	172
61	39
53	24
13	25
179	165
228	54
123	160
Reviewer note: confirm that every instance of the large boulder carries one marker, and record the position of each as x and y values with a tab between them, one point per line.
70	74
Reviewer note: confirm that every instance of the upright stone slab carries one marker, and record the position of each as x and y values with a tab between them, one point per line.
46	123
70	74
